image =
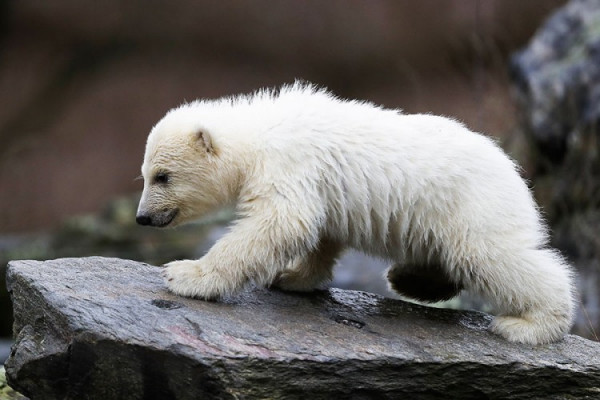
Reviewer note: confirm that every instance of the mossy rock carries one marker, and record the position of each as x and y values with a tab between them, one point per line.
6	392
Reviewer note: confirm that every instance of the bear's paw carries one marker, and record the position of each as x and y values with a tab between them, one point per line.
191	278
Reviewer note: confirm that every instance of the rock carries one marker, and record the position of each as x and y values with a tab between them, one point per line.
557	82
102	328
558	79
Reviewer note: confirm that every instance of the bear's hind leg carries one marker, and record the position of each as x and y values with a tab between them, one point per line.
306	273
426	283
534	297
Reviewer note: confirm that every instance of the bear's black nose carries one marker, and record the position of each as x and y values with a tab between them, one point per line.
143	220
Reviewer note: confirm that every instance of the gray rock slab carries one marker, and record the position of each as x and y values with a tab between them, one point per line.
101	328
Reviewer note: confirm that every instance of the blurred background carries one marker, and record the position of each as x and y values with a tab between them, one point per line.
83	82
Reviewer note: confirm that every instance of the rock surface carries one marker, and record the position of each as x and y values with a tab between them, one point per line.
557	80
102	328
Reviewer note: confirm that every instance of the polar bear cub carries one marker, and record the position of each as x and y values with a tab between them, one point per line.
311	175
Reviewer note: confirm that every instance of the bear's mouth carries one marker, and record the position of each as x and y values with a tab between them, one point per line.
164	218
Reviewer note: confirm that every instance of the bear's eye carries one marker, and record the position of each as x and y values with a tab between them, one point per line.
161	177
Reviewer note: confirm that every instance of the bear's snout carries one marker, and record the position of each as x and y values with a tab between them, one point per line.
143	220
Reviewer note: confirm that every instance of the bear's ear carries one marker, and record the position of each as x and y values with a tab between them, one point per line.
204	140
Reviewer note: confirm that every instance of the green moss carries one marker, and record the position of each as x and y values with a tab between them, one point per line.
6	392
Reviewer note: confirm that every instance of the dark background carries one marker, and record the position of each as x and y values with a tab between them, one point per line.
83	82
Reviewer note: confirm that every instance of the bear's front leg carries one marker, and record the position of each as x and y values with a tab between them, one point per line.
256	249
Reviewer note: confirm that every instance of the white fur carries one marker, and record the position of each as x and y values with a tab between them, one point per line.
311	175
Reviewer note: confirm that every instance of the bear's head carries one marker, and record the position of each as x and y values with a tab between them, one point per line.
185	173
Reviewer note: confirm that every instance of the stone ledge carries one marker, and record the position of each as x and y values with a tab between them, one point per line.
101	328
